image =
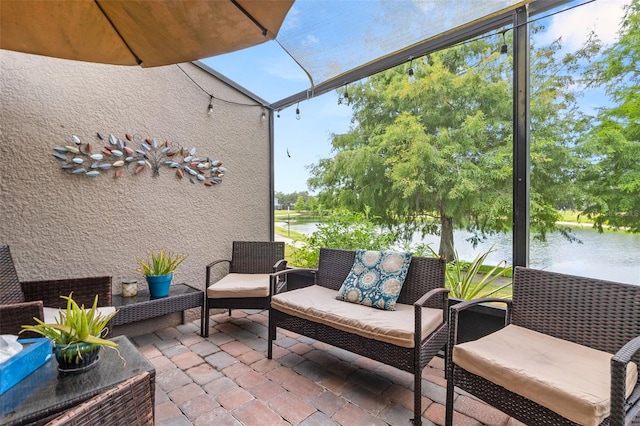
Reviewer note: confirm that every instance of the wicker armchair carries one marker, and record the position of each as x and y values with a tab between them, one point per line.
247	257
21	301
595	314
129	403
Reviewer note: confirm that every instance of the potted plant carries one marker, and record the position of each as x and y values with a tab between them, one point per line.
158	268
76	335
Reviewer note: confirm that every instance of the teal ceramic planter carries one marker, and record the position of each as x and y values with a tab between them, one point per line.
76	357
159	285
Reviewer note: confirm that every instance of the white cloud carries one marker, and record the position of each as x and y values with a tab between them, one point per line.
601	16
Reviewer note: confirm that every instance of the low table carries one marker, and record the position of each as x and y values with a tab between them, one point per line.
142	306
46	393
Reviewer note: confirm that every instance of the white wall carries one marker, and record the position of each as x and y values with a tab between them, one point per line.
60	225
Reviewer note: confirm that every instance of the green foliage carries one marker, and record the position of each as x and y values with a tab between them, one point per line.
436	155
346	230
162	262
471	280
75	324
300	204
611	173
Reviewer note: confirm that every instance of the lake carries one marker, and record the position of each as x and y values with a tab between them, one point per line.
611	256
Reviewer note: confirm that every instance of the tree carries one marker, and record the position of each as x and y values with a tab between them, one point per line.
300	204
437	154
611	176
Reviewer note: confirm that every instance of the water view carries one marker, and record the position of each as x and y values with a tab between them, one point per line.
611	256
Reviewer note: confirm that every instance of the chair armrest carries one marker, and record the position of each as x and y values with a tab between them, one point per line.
279	279
84	291
436	292
619	380
453	323
208	273
13	316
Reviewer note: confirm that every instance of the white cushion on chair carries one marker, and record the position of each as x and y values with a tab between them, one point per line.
240	285
51	314
569	379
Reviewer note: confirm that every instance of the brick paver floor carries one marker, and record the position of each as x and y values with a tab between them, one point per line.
226	379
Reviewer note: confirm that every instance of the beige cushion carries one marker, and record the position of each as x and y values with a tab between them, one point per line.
240	285
319	304
51	314
569	379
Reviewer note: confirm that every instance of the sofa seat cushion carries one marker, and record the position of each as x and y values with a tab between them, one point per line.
319	304
240	285
51	314
569	379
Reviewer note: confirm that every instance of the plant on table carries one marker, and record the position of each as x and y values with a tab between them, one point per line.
77	333
158	269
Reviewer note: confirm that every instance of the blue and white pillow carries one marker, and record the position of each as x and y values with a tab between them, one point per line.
376	278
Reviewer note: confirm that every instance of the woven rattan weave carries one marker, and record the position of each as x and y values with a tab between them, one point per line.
423	286
247	257
600	314
21	301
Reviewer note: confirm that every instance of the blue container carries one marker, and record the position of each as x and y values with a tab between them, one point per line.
34	353
159	285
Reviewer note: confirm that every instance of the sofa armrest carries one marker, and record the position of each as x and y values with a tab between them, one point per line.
84	291
436	292
280	265
279	279
13	316
618	381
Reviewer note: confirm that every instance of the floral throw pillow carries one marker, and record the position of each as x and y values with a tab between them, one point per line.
376	278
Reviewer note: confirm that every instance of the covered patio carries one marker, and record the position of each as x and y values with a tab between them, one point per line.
62	224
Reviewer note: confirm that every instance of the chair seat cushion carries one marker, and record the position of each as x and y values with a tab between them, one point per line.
569	379
319	304
51	314
240	285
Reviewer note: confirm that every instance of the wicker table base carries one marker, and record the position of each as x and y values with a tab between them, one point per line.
142	306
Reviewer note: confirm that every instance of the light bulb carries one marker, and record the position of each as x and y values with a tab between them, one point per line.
210	109
504	49
412	77
297	113
264	116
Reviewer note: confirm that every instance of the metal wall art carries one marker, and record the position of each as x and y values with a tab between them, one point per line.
133	156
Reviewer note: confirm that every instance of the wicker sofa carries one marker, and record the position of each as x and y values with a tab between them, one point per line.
567	355
420	315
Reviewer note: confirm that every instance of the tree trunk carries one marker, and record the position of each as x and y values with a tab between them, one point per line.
446	238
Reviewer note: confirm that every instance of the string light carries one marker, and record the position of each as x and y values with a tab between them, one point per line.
298	111
210	108
504	49
264	116
412	77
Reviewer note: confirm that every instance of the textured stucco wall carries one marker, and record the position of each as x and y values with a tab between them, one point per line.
60	225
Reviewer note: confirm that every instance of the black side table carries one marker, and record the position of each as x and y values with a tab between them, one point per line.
142	306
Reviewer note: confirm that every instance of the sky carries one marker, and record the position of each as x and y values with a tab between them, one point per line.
270	73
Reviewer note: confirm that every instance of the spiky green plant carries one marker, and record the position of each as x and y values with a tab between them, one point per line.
465	280
162	262
75	324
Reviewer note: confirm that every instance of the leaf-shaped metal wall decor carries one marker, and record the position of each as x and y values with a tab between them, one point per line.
135	155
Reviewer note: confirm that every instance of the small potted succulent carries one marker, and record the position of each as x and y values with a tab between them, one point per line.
76	335
158	268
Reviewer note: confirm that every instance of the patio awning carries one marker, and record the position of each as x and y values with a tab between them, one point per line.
138	32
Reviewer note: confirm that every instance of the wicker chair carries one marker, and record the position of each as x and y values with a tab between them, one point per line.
128	404
597	314
21	301
247	257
